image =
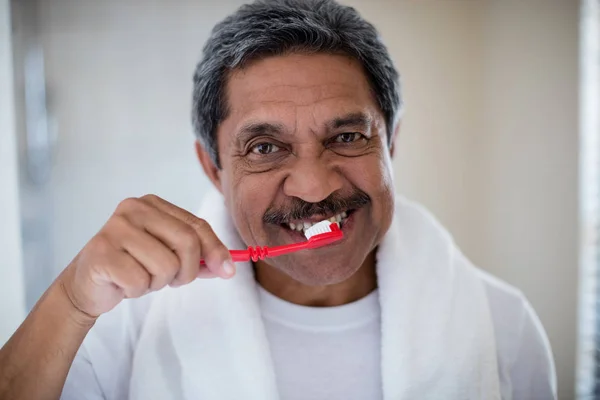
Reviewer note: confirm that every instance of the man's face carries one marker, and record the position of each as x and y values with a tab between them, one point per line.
305	141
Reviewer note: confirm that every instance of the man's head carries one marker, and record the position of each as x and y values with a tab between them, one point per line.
296	106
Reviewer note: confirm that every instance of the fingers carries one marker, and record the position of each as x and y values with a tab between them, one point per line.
147	244
160	261
150	228
212	250
130	276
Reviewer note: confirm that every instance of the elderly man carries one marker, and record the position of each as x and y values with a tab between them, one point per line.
296	109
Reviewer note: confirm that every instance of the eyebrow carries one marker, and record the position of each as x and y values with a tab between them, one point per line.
253	129
357	119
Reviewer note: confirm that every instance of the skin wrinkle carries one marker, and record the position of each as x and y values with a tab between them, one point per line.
299	103
311	165
251	129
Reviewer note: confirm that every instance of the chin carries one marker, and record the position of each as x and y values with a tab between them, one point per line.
317	270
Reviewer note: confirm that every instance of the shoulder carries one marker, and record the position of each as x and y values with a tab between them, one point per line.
524	355
525	361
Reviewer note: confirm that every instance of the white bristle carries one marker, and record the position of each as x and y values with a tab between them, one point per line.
317	229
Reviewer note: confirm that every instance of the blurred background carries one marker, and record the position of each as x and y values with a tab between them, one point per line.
499	137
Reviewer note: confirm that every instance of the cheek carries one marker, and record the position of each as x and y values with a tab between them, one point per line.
249	197
374	176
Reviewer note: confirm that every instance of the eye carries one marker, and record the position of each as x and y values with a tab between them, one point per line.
348	137
350	144
264	148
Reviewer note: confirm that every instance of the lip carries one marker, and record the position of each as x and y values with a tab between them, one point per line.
289	236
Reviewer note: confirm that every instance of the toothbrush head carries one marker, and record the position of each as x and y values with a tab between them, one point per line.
318	228
323	233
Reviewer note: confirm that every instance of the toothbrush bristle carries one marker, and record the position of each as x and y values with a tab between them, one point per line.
318	228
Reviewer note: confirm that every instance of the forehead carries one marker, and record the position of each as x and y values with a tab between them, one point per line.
321	86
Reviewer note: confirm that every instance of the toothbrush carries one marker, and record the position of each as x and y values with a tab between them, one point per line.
318	235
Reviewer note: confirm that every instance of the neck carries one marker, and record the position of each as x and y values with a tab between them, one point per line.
360	284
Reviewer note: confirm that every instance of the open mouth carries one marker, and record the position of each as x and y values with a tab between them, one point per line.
303	225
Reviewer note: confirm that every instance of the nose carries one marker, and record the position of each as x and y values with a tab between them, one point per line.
312	180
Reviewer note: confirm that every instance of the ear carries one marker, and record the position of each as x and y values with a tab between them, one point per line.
393	141
209	167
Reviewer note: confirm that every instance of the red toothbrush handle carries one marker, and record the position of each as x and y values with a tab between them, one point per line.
253	253
260	253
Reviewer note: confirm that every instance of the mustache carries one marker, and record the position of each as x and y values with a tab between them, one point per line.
300	209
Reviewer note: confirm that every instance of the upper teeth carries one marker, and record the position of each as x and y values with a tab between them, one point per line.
304	225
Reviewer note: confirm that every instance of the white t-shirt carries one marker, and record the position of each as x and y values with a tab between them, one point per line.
331	353
326	352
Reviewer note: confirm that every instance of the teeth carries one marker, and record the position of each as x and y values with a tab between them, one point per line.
304	225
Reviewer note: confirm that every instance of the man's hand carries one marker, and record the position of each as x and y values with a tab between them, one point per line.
146	244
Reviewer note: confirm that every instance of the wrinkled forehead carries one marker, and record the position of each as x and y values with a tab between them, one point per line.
293	88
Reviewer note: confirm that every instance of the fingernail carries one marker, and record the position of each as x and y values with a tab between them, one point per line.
229	268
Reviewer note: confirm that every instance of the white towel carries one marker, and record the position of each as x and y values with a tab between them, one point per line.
206	341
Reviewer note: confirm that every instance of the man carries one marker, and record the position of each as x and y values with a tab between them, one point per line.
296	108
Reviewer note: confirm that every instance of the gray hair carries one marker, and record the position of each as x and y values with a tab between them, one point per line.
274	27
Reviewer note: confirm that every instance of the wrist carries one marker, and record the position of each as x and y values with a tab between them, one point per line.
67	302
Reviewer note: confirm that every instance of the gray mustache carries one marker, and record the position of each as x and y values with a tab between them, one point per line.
300	209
